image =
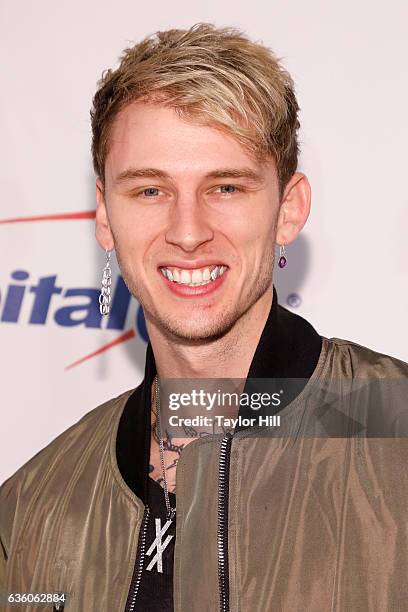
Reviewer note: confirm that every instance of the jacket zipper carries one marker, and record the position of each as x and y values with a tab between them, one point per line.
223	577
223	490
139	561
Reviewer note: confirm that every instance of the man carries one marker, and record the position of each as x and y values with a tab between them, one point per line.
195	151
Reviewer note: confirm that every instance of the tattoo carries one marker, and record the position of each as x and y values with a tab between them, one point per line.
160	481
167	442
193	433
189	431
167	445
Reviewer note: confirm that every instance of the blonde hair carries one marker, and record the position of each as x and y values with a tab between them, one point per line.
214	76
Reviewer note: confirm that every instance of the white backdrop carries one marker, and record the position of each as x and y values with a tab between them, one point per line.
348	269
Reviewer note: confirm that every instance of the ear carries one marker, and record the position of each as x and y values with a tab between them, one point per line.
103	231
294	208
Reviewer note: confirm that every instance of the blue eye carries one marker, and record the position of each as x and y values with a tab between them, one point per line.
227	188
151	191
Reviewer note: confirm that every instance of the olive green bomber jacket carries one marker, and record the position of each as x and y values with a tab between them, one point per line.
310	520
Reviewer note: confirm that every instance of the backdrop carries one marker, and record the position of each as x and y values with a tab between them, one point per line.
346	274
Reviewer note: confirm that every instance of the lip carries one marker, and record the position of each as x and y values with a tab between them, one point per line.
192	292
192	265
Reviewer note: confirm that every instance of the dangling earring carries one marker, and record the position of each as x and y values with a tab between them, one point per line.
105	296
282	259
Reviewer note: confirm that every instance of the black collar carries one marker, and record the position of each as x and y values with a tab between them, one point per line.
289	347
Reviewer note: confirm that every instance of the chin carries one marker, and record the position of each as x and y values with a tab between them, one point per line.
197	331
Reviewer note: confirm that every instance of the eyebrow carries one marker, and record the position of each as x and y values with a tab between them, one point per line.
132	173
245	172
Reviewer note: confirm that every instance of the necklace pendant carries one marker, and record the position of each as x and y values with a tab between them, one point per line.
159	546
171	515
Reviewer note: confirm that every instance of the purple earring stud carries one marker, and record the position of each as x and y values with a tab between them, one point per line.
282	259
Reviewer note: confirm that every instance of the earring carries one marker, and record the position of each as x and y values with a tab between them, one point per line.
105	296
282	259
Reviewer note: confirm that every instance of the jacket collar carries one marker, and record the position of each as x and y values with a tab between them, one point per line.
289	347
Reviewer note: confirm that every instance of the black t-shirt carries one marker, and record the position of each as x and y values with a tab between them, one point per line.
156	588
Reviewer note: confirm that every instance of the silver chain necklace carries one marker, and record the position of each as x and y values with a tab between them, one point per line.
158	546
171	512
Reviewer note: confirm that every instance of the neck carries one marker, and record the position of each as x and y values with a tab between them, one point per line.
229	356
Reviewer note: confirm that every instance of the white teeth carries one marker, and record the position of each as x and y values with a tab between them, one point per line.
176	275
193	278
196	276
185	277
215	273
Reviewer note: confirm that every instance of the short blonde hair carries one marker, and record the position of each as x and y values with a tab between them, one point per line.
214	76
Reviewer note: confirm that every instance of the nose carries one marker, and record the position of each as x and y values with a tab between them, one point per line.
189	225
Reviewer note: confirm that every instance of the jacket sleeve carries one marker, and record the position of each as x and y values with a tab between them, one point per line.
8	509
2	568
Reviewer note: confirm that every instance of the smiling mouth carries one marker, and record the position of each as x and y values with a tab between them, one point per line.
193	278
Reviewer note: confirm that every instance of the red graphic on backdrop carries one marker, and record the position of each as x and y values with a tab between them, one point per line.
126	336
86	214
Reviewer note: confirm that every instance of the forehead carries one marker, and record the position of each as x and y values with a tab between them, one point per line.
153	135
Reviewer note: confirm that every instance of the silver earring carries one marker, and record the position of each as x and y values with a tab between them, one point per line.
282	257
105	296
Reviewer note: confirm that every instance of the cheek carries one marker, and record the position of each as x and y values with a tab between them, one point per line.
257	231
131	231
258	244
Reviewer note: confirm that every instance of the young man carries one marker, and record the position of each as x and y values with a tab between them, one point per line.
195	151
